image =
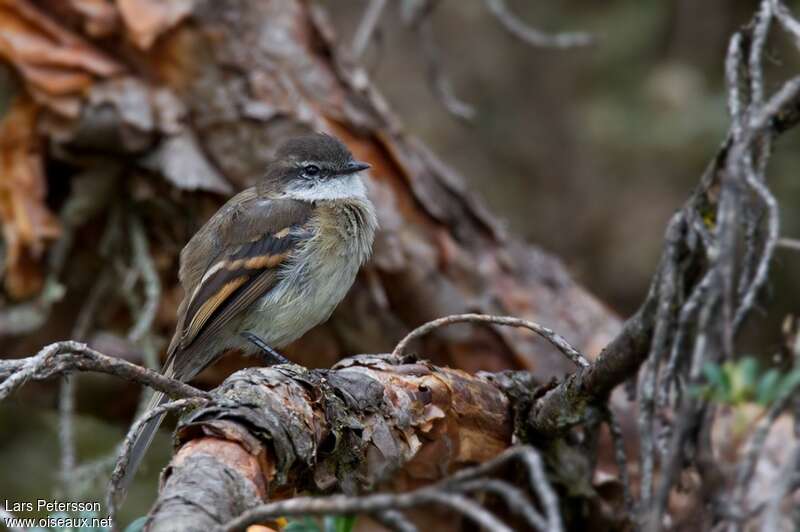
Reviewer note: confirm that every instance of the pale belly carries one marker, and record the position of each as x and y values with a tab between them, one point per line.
316	280
299	302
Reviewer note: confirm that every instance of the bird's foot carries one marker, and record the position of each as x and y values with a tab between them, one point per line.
268	354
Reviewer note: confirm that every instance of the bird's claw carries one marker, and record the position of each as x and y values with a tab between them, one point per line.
268	354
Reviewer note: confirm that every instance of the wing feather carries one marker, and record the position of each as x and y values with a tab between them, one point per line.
262	239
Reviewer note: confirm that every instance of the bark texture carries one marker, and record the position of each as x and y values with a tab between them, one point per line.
371	423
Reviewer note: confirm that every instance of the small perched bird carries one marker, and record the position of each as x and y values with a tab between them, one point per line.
271	264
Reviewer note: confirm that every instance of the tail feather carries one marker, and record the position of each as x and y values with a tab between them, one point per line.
147	432
141	443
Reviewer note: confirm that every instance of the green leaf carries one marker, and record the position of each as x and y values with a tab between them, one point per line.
344	523
339	523
306	524
748	374
768	387
137	525
788	383
714	374
699	390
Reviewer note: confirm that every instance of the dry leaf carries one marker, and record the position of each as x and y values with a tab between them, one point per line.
100	18
57	65
146	20
27	223
183	163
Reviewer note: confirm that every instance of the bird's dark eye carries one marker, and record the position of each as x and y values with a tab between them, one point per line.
311	170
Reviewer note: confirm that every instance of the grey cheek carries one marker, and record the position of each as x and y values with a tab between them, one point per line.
300	185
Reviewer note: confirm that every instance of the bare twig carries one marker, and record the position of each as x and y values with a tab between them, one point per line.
514	498
419	16
554	338
789	243
620	456
5	517
438	80
532	36
537	479
787	20
648	376
760	31
762	269
755	446
789	478
687	313
367	26
66	402
66	432
152	284
63	358
444	493
395	520
733	255
369	504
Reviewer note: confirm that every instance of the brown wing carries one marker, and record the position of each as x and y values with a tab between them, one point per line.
247	246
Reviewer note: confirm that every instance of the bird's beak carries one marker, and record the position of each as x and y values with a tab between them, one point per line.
355	166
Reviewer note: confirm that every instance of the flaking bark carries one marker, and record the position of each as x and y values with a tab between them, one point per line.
371	423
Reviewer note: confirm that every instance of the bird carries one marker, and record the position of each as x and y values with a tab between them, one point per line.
269	265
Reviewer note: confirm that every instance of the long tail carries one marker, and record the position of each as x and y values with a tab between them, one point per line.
146	433
141	442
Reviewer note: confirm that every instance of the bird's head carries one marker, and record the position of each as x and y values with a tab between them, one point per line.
315	167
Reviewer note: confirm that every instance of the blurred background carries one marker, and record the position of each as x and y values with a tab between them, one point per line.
585	152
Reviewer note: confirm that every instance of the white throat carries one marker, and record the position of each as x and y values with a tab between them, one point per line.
336	188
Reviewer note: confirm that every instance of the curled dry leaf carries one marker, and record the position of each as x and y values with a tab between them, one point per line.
180	158
100	18
56	64
27	223
146	20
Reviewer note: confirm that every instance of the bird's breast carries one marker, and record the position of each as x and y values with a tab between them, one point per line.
318	275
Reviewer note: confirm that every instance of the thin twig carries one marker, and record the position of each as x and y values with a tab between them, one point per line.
395	520
6	517
621	457
515	499
537	480
445	493
367	26
152	284
789	243
387	507
66	431
787	20
63	358
791	474
532	36
554	338
755	445
760	31
66	402
648	376
762	269
438	80
369	504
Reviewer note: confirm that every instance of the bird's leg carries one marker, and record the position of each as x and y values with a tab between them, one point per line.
268	354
